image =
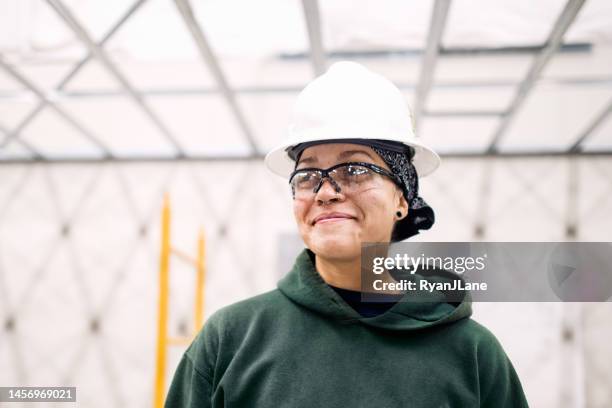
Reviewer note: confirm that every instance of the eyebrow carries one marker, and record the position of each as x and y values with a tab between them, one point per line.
341	156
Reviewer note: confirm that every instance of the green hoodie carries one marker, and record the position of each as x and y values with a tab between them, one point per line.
302	345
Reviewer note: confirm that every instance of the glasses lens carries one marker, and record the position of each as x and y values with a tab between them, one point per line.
354	177
351	178
304	182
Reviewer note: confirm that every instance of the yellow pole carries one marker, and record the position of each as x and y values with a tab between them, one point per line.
199	295
162	327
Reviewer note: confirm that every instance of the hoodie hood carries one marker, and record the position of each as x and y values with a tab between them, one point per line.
304	286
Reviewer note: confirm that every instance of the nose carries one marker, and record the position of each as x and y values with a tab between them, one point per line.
327	190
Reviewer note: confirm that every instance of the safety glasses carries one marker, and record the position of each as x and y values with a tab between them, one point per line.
350	177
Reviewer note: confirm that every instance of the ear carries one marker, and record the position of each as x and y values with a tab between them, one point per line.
401	203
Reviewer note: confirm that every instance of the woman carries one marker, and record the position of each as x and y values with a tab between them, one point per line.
352	161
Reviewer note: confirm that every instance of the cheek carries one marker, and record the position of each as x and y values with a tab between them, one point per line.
376	200
300	209
377	209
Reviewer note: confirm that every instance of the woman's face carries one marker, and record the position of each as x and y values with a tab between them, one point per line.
368	216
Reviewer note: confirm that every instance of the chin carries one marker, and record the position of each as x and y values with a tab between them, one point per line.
338	246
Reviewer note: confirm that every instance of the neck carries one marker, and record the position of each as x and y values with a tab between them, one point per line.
341	274
345	274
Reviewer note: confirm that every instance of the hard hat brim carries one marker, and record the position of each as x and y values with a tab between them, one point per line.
425	159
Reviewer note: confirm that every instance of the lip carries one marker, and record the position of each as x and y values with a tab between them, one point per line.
332	217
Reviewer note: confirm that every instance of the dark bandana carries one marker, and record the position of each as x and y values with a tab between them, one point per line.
399	159
420	215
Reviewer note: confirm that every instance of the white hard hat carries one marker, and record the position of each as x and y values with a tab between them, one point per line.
351	102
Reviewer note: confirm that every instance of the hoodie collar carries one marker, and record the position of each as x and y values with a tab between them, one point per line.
305	286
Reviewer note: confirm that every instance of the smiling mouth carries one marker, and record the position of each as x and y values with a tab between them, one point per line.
333	220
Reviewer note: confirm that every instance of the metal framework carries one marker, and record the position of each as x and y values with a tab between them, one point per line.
443	51
599	119
14	134
313	24
260	156
213	65
46	101
318	57
100	54
59	95
7	132
562	24
428	66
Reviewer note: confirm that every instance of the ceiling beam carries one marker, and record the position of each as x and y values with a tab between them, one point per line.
428	65
518	50
109	34
461	113
14	133
35	153
260	157
312	16
18	96
98	52
60	111
552	44
211	61
590	129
